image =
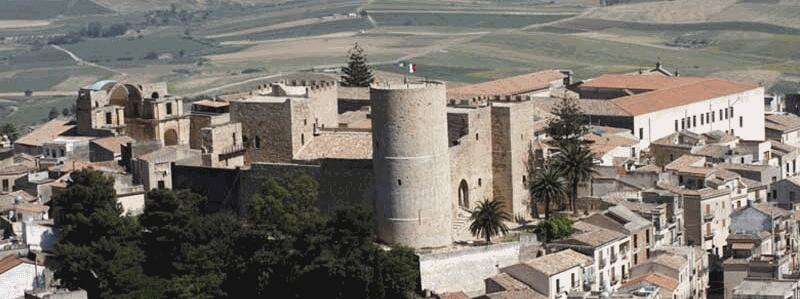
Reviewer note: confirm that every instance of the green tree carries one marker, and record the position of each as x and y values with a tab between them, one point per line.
547	186
576	163
569	123
53	114
99	247
556	228
357	73
9	130
487	220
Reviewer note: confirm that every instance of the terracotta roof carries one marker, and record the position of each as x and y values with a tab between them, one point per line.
46	132
680	95
690	164
516	294
591	235
14	169
558	262
10	262
782	122
654	278
507	282
672	261
338	145
454	295
212	104
113	144
636	82
31	207
508	86
771	210
604	144
589	107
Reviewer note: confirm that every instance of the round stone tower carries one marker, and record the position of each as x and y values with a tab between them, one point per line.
411	164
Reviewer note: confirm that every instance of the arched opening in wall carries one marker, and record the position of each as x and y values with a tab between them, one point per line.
463	194
170	137
154	95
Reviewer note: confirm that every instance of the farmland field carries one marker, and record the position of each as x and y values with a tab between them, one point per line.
206	47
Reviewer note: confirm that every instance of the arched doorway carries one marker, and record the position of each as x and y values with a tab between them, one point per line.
463	194
170	137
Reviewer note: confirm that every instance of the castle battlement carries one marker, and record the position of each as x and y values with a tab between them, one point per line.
301	88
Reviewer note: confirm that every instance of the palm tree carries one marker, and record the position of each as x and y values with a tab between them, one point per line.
487	220
576	163
549	186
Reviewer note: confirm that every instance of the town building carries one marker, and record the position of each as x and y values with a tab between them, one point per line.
554	275
17	275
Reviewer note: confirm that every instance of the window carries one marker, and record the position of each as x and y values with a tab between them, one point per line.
683	123
169	108
635	258
676	125
558	285
731	111
5	185
399	182
713	118
688	122
61	152
647	237
720	114
161	185
476	136
258	142
702	119
234	139
694	120
302	139
480	182
635	241
727	115
794	166
641	133
524	179
741	121
108	118
574	282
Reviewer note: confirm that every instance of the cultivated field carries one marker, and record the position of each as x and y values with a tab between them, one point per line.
205	47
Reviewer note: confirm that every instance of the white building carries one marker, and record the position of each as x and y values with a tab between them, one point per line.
18	275
610	251
653	107
553	275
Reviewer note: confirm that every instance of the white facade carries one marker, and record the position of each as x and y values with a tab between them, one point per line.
746	120
15	281
38	235
611	264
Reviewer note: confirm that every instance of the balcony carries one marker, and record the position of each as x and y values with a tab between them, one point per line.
708	217
708	236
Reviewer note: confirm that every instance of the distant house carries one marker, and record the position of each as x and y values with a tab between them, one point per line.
553	275
784	128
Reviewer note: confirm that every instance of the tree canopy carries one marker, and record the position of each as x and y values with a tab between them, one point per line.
569	123
283	248
357	73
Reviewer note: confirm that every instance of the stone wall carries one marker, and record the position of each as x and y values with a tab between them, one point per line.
465	269
209	182
512	132
471	159
411	164
266	127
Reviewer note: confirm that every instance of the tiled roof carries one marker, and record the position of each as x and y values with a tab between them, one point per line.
589	107
636	82
689	164
771	210
670	260
603	144
31	207
591	235
508	86
656	279
515	294
559	262
14	169
114	143
507	282
47	132
10	262
647	102
782	122
453	295
338	145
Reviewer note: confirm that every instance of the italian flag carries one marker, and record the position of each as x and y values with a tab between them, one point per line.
410	67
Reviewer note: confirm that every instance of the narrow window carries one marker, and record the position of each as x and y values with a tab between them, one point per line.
476	136
702	119
5	185
713	117
558	285
258	141
302	139
480	182
641	133
108	118
694	120
676	125
399	182
234	139
169	108
683	123
741	121
161	185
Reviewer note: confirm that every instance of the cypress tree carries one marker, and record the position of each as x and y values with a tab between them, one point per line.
357	73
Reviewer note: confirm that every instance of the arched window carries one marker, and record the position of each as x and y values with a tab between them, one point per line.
154	95
463	194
